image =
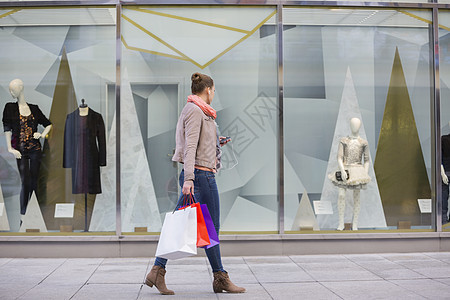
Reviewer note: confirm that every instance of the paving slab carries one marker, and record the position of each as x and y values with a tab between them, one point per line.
108	291
267	260
13	290
389	270
253	292
299	290
428	288
4	261
120	271
74	271
199	290
368	290
187	274
341	271
52	291
28	271
325	259
364	257
284	272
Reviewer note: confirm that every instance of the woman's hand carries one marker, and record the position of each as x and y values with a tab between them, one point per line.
188	187
37	135
223	140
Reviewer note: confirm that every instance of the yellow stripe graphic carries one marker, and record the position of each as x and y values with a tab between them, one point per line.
149	51
182	55
190	20
10	13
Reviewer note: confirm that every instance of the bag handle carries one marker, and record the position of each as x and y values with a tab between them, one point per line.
186	201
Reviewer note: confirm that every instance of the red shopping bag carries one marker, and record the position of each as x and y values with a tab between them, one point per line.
202	231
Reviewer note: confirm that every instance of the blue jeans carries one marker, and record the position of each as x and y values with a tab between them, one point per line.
205	192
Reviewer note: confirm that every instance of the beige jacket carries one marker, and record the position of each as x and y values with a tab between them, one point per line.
196	139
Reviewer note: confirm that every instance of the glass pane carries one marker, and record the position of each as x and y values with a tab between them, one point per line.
162	48
372	65
444	73
52	59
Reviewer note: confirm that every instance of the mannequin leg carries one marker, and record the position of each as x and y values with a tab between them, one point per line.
445	192
341	208
356	208
23	165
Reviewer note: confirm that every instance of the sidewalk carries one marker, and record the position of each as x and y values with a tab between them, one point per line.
366	276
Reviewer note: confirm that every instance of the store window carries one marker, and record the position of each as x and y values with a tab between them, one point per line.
357	101
444	73
52	60
162	48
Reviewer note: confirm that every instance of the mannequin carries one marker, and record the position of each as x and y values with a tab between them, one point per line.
445	173
20	122
352	149
84	109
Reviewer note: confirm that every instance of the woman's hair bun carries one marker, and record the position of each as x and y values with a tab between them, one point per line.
196	78
200	82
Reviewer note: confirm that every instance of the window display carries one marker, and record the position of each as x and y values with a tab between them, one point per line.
63	60
371	70
85	149
353	174
20	123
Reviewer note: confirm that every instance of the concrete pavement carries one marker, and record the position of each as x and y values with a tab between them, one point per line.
362	276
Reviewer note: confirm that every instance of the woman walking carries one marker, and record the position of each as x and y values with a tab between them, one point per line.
198	149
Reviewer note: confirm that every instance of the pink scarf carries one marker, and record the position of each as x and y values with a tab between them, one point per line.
206	108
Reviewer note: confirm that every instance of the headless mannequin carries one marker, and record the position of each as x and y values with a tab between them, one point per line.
16	89
84	109
355	125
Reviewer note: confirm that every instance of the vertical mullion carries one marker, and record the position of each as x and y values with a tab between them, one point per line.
280	85
436	178
118	82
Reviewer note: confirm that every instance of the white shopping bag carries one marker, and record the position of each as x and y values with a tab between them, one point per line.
178	237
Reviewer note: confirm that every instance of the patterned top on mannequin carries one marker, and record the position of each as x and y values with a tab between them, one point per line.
354	152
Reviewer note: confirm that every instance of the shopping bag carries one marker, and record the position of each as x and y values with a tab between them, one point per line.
213	238
178	237
202	231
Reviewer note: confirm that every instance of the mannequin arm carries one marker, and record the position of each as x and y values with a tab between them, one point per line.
366	167
443	175
44	133
340	160
16	153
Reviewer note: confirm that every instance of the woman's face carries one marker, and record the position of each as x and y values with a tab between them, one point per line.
211	92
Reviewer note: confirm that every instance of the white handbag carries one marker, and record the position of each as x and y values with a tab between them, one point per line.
178	237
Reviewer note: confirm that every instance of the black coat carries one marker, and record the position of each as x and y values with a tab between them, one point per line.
11	120
85	160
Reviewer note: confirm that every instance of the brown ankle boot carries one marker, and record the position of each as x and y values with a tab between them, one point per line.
223	283
156	277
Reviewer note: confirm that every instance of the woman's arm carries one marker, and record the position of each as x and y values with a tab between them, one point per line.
192	126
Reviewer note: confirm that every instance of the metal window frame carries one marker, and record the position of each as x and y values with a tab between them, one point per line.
433	6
